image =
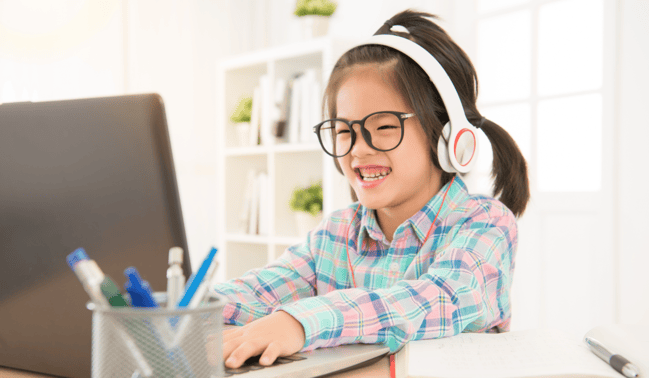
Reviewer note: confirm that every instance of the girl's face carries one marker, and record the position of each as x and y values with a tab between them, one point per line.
407	178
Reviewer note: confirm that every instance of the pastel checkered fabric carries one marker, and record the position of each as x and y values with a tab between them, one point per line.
461	284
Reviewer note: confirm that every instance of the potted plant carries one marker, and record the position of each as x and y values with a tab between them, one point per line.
306	202
314	15
241	119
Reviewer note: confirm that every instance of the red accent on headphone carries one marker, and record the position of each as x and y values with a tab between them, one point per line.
455	145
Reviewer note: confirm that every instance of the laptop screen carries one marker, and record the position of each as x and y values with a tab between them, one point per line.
94	173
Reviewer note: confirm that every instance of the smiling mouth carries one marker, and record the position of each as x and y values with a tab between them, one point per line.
373	174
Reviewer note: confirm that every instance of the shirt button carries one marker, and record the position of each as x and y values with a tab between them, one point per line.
394	267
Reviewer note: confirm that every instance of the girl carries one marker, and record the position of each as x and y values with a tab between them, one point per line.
417	256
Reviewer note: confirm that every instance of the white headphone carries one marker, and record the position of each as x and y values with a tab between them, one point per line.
457	148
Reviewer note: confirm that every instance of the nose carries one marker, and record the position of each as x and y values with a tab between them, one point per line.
360	146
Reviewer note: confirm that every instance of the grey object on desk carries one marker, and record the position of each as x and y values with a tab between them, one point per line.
95	173
617	362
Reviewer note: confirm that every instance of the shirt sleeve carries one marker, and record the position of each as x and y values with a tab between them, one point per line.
259	291
465	288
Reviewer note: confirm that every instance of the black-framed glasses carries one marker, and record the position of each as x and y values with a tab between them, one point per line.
383	131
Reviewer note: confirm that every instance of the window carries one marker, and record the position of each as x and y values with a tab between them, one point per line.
540	65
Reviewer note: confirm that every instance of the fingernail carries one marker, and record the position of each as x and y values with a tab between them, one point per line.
231	361
265	361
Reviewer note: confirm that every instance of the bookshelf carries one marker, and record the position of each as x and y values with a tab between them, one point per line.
286	164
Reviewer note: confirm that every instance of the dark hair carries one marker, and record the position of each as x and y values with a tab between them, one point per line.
509	167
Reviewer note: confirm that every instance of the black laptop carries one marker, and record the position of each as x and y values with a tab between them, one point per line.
94	173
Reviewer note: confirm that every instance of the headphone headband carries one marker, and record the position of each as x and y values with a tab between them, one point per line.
441	80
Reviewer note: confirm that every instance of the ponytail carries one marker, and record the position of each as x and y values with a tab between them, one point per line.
511	184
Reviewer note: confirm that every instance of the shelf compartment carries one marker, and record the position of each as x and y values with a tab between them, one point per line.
293	169
237	170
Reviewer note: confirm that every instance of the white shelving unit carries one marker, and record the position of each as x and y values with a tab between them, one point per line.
286	165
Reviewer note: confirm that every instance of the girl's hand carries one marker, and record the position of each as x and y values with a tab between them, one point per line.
275	335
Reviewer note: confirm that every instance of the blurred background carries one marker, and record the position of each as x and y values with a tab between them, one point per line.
566	78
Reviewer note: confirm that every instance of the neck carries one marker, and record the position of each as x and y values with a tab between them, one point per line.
390	218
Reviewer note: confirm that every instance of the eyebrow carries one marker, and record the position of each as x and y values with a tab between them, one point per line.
376	115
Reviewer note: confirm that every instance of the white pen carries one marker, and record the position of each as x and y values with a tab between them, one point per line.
617	362
197	299
91	277
175	277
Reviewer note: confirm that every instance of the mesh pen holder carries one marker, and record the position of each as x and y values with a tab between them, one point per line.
144	342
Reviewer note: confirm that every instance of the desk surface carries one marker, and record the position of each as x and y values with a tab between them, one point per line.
379	369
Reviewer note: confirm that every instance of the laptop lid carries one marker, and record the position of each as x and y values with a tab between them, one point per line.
94	173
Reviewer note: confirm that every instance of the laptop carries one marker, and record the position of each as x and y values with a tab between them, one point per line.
317	363
95	173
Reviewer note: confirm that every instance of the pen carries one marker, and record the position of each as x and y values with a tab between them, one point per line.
93	281
139	289
197	286
196	280
202	290
142	296
175	277
617	362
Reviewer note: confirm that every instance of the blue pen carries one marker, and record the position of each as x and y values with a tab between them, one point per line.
140	290
142	296
195	280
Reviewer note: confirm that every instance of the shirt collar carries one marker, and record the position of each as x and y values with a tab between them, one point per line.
423	219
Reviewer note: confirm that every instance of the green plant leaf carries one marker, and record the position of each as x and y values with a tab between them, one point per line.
307	199
243	111
315	8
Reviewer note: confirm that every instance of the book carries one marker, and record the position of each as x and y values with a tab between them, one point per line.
255	116
247	202
528	353
266	114
307	98
294	110
253	222
263	220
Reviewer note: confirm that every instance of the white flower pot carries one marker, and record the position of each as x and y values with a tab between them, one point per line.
243	133
314	26
306	222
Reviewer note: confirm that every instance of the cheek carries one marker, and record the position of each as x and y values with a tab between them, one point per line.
343	162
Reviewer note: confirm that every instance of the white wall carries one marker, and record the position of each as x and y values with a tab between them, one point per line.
172	48
631	163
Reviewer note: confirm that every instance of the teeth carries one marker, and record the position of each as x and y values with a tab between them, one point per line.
372	176
375	176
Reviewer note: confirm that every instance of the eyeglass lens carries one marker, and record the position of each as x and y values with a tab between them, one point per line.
383	132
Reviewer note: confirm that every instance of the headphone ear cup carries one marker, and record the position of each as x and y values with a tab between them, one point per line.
443	150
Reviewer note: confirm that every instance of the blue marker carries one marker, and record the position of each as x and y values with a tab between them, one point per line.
195	280
139	289
142	296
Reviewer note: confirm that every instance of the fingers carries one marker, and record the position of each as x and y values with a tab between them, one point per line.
278	334
273	350
242	352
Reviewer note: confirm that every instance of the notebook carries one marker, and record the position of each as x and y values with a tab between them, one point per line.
94	173
528	353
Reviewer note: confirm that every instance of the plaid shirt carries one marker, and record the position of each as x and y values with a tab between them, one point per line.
461	284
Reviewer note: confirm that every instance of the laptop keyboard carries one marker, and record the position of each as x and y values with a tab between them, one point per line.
252	364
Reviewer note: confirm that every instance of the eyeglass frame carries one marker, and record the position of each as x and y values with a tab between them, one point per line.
361	122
